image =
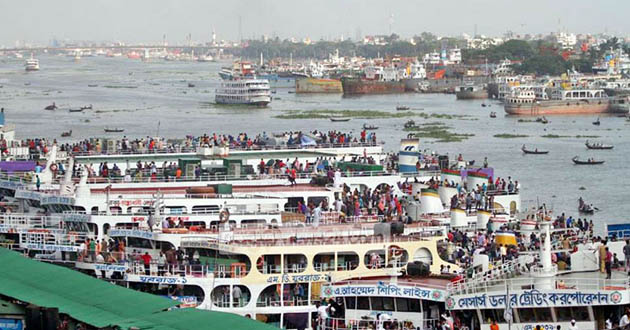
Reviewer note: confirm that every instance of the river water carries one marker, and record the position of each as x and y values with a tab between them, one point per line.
136	96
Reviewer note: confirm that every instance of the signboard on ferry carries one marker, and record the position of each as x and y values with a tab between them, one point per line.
535	298
49	247
383	289
130	233
57	200
5	184
28	194
76	217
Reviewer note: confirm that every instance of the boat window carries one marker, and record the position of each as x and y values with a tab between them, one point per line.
414	305
94	210
316	200
388	304
402	305
347	261
374	259
175	210
205	208
253	223
566	314
269	264
294	263
363	303
324	262
534	314
115	209
351	302
488	315
377	303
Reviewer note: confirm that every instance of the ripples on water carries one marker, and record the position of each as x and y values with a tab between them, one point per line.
136	95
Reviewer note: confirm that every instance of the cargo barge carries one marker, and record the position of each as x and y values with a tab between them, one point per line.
353	86
314	85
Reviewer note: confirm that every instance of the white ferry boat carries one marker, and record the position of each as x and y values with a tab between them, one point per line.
32	64
245	91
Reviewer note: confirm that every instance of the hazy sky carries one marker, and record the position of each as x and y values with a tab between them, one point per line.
148	20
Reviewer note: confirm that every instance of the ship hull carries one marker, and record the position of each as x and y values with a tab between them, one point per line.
414	84
312	85
358	87
260	101
561	108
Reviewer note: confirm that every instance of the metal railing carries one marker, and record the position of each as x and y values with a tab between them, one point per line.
527	282
368	323
499	270
270	301
232	147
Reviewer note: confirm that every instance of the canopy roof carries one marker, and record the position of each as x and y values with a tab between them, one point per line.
100	303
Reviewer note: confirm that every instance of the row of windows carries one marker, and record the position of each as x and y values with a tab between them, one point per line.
563	314
387	304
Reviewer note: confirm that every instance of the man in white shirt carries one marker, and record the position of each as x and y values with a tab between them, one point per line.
322	313
624	322
573	326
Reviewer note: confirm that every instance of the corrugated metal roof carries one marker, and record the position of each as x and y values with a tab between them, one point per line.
100	303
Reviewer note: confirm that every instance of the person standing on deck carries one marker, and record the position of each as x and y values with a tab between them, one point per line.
602	257
626	253
317	214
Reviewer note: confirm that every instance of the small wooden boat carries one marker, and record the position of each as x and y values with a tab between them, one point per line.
535	151
597	122
493	114
483	105
339	119
76	109
51	107
542	120
92	85
410	124
114	130
576	161
66	134
402	107
191	85
369	127
598	146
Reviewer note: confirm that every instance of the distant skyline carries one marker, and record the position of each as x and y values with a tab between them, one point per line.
40	21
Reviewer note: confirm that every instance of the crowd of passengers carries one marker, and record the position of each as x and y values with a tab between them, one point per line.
158	144
461	248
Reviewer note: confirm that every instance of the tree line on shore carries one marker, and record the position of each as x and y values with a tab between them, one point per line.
540	57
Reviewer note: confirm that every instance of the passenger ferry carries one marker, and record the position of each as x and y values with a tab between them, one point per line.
32	64
246	91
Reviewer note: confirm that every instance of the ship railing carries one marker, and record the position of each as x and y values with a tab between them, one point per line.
183	270
146	178
369	323
206	242
498	271
224	302
194	149
27	221
165	269
271	301
531	282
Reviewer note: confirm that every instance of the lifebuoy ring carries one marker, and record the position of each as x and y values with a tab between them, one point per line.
53	167
224	216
